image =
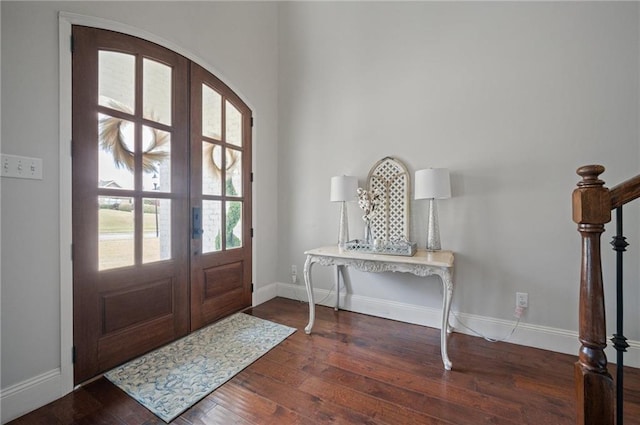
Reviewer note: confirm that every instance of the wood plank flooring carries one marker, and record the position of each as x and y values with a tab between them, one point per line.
360	369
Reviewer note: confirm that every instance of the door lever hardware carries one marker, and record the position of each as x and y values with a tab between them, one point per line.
196	220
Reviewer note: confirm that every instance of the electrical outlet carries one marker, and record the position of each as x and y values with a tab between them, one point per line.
522	300
294	273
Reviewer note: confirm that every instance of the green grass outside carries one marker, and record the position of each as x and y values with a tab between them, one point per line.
114	221
115	253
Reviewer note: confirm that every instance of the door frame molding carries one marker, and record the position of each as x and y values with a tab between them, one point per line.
65	21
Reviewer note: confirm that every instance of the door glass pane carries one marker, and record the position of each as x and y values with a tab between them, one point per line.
211	169
115	232
116	80
211	226
233	124
234	173
211	113
234	224
156	159
116	153
156	91
156	242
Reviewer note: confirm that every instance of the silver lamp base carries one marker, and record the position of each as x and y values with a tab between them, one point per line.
433	229
343	233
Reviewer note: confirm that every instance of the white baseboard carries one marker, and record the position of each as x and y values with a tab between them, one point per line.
23	397
264	294
631	357
544	337
530	335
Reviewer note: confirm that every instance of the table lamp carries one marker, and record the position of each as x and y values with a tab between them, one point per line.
432	184
343	189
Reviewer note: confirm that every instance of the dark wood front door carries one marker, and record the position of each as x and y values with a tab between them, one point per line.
144	274
220	200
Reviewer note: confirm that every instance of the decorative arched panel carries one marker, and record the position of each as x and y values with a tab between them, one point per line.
389	177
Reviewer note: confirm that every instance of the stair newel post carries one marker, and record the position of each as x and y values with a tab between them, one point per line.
594	385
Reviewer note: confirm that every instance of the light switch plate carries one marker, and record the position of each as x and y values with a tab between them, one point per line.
20	167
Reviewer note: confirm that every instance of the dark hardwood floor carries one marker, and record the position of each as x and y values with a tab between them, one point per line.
365	370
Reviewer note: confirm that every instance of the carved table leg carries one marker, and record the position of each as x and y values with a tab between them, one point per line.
447	293
312	306
338	270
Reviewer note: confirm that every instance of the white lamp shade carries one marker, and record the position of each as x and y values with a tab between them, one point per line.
343	188
432	183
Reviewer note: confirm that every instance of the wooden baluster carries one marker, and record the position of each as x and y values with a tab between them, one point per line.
594	385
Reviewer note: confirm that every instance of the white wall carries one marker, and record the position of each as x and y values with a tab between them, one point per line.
0	206
238	41
512	97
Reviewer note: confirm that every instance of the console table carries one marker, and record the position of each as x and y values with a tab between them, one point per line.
423	263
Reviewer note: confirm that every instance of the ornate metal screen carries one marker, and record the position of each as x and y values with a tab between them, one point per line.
390	178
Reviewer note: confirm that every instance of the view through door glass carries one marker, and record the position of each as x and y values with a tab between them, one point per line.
132	212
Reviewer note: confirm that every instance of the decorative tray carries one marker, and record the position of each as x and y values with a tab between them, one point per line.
407	249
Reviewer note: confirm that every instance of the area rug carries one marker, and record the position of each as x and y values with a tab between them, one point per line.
173	378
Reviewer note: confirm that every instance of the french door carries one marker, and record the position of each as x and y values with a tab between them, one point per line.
161	198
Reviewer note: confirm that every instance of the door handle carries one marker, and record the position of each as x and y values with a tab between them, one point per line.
196	222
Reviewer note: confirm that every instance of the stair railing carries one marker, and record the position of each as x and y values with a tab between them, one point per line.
592	205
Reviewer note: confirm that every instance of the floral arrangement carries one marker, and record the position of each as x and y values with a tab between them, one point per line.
369	202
